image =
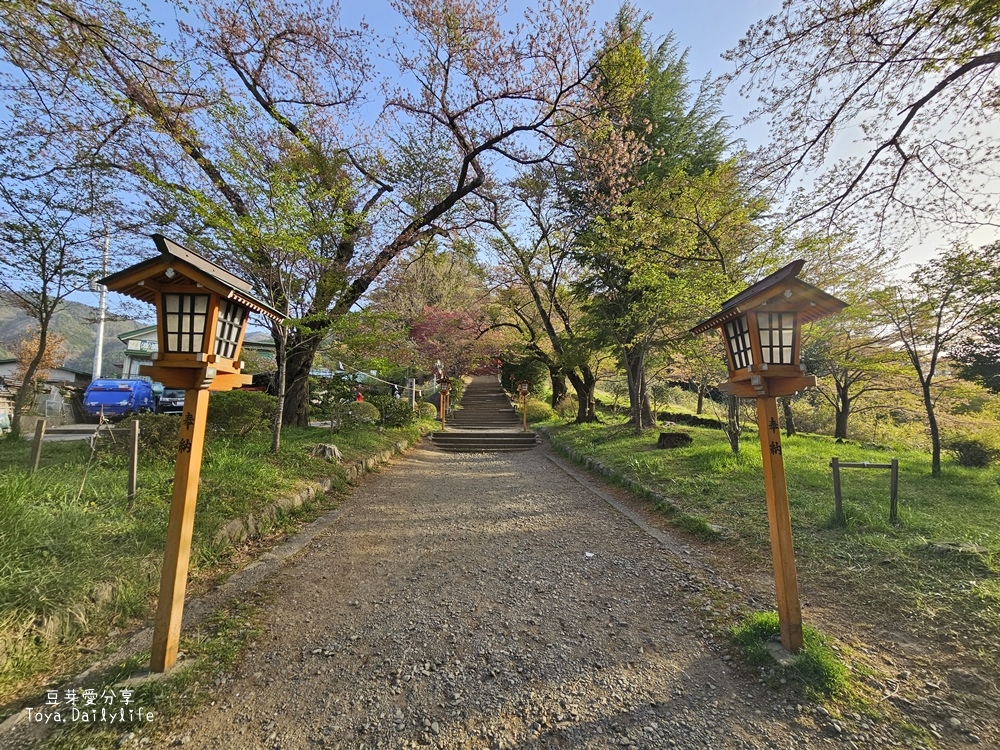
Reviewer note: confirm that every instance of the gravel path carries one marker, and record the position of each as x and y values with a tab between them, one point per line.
491	601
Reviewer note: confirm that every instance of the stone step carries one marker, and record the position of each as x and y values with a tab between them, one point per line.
484	422
484	442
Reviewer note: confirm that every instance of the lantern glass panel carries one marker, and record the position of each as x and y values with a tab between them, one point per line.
228	328
738	341
777	336
185	318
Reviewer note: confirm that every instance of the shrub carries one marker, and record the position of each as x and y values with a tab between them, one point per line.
568	407
539	411
158	435
427	410
690	419
396	412
969	451
241	413
361	413
457	389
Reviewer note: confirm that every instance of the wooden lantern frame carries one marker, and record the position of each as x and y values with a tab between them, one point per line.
754	374
178	271
781	294
199	359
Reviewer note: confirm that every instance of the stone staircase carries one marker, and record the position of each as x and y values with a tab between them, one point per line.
486	422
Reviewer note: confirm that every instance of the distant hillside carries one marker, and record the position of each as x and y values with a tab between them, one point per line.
77	324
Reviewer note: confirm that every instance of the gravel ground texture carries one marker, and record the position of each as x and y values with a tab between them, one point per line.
497	601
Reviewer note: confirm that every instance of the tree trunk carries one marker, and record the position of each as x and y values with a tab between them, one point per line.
786	411
843	412
281	346
733	426
648	418
840	423
584	383
640	415
27	387
558	379
935	431
300	351
702	387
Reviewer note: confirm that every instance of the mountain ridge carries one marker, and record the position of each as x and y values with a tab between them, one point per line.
76	323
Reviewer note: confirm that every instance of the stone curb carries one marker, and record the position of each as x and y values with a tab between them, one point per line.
610	474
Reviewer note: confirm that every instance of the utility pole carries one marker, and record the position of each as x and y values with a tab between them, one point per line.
102	308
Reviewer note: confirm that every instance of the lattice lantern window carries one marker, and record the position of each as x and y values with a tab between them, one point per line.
777	337
185	319
228	329
738	343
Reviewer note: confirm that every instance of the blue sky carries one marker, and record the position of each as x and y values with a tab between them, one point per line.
706	28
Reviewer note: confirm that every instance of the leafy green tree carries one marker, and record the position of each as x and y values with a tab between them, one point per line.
434	273
661	261
664	219
533	242
978	355
851	355
701	361
944	300
50	232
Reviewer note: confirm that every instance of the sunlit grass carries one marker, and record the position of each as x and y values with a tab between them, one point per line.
910	559
816	666
77	558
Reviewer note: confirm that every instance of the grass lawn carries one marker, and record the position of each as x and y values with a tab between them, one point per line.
77	562
937	572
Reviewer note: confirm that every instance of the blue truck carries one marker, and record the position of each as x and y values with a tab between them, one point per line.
118	398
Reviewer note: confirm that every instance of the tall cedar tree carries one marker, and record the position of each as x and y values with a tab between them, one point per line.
668	135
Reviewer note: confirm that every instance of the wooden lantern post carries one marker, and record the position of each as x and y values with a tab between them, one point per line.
202	312
523	388
444	399
761	328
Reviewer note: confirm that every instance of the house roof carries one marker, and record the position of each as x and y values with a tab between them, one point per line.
13	360
137	332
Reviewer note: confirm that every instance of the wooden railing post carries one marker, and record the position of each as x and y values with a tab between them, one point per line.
133	462
838	502
36	448
893	491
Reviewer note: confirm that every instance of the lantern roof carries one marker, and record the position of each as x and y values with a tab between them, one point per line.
178	266
783	286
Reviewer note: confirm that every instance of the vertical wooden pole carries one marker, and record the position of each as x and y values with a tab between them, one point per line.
779	521
524	412
36	447
893	491
133	462
838	501
177	553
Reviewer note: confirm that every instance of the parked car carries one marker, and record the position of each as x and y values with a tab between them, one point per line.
118	398
171	402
